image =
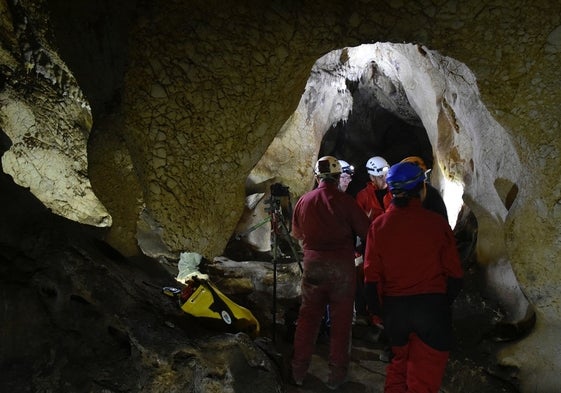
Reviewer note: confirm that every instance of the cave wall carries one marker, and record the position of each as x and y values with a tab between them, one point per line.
47	153
242	71
205	89
200	77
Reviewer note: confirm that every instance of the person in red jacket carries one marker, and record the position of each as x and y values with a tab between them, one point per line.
375	198
347	171
327	222
412	274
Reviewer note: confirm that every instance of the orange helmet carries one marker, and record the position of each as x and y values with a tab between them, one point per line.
416	160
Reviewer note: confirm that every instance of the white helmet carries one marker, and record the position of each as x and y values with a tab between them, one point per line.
377	166
327	165
346	167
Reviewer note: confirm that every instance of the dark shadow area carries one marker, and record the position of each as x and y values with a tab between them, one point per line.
371	131
92	38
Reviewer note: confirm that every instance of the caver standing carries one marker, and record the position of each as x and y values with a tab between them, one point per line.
347	171
327	222
411	259
375	198
433	201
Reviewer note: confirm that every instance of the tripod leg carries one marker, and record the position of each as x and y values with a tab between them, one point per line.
274	251
292	246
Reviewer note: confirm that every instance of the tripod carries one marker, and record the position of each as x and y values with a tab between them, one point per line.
279	230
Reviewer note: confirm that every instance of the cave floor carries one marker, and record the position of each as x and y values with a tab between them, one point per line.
367	371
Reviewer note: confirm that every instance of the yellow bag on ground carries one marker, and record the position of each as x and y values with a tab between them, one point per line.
202	299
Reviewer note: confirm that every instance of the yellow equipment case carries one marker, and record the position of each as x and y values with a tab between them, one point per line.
201	299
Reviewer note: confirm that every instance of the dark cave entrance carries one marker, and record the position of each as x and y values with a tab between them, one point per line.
371	130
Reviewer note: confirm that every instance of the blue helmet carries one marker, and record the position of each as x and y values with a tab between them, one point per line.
404	176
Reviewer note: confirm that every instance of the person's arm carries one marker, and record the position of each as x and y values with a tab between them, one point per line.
371	276
295	228
359	223
362	201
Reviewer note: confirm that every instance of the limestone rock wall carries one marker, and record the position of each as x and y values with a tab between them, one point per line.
207	88
199	101
202	121
46	117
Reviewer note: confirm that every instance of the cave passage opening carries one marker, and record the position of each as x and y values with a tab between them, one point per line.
399	100
370	100
380	121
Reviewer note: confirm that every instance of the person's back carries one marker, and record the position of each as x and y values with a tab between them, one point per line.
326	221
411	269
412	262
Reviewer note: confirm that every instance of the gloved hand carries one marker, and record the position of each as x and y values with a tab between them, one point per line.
371	297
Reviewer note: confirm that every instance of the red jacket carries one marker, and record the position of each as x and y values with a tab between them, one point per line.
369	203
411	250
328	221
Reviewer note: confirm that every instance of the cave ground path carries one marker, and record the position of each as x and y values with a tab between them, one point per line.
366	372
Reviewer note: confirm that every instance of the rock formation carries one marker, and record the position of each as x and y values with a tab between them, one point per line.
200	105
47	120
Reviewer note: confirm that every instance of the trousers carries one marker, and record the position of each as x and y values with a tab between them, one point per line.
325	283
419	329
